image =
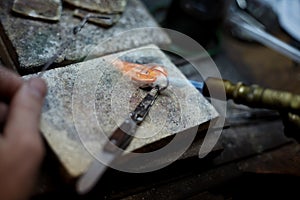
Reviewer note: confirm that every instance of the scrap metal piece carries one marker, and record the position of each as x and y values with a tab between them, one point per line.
149	75
46	9
102	6
110	21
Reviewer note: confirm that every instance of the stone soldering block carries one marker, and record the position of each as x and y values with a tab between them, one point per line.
30	43
87	101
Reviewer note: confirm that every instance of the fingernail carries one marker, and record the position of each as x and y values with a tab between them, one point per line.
37	86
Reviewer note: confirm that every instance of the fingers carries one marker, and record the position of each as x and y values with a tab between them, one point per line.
3	114
23	120
21	148
10	83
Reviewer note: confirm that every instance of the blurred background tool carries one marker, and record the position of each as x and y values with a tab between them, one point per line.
254	96
253	22
288	15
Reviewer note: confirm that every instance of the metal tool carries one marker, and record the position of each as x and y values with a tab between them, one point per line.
246	26
254	96
286	103
144	76
119	140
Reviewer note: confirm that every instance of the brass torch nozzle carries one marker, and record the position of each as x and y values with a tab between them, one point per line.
255	96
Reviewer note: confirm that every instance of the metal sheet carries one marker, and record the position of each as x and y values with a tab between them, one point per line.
103	6
46	9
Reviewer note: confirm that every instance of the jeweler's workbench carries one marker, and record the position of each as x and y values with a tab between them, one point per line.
90	97
28	44
252	147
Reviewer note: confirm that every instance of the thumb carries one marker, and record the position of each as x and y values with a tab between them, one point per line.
23	146
23	118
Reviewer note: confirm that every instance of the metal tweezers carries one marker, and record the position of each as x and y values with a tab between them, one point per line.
118	141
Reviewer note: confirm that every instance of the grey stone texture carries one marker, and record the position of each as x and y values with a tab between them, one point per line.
31	43
88	100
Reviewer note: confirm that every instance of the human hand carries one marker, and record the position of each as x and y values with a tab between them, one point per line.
21	146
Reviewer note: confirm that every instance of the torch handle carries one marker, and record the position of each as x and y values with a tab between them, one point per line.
255	96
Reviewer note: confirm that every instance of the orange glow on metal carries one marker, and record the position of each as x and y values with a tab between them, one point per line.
147	73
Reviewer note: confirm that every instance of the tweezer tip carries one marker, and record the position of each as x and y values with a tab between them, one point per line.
81	186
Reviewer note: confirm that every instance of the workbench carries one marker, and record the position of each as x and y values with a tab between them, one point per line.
253	159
